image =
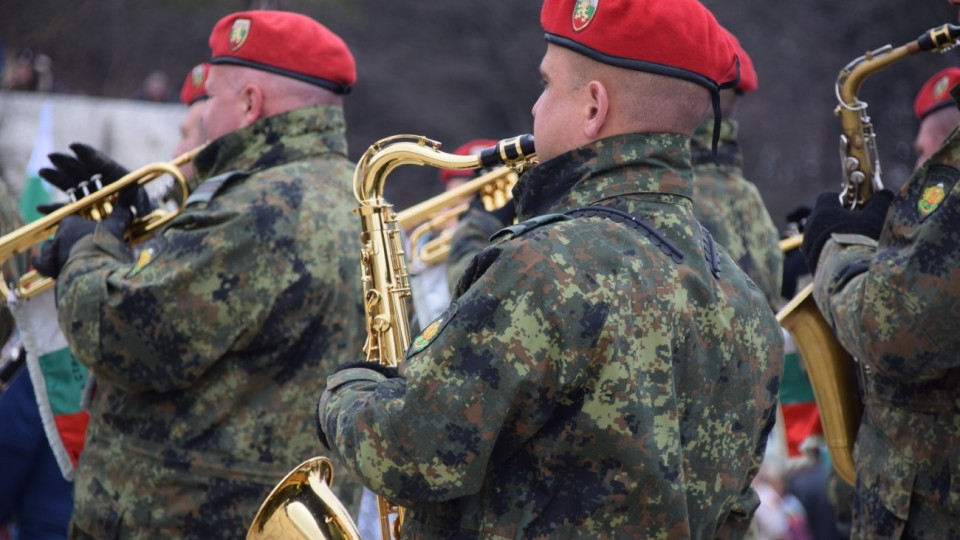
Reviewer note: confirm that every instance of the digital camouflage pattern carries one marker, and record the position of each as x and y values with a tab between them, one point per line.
899	315
731	208
582	384
10	220
211	351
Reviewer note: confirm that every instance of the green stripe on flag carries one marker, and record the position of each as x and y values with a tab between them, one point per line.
795	385
64	379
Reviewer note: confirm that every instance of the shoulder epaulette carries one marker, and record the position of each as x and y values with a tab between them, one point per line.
643	226
528	225
211	186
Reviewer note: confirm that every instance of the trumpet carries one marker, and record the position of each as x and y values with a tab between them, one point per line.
435	213
95	205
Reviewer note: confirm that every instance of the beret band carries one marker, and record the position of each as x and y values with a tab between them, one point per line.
336	88
636	65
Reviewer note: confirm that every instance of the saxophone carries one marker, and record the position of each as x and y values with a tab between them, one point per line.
386	289
831	368
302	506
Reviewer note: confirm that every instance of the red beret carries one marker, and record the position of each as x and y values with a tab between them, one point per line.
472	148
748	75
194	86
284	43
677	38
935	93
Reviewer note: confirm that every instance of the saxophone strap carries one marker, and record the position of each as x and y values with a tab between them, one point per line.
635	222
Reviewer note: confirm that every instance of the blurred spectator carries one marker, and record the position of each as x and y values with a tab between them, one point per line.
156	87
30	72
780	515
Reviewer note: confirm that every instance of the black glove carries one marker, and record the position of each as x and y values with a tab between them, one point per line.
505	214
86	172
799	216
830	217
386	371
54	253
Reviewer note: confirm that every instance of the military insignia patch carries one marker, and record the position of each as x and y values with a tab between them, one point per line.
196	76
940	87
583	13
238	33
143	260
938	184
931	199
432	330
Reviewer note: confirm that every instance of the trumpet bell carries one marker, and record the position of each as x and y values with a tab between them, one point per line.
302	506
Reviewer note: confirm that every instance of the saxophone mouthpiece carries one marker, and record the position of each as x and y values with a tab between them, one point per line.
508	151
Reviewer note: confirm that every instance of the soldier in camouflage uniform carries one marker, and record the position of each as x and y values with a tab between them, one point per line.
210	346
726	203
602	373
886	279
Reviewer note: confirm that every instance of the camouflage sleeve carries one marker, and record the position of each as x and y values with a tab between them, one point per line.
762	245
892	305
201	288
474	387
471	237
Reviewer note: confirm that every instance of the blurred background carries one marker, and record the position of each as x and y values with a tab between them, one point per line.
456	71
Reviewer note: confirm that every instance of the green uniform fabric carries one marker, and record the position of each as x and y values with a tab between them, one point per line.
210	355
731	208
582	384
895	305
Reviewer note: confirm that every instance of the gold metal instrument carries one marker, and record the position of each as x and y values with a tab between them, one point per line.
95	205
385	281
436	213
302	506
831	368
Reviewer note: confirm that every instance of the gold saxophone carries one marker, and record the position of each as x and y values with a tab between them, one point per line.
302	505
386	289
831	368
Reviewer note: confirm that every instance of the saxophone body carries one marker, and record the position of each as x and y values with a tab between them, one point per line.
302	506
386	287
832	370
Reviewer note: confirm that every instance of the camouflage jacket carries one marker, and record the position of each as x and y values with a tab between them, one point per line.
589	380
731	208
211	347
899	315
10	220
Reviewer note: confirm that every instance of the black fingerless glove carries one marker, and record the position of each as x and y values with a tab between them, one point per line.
829	217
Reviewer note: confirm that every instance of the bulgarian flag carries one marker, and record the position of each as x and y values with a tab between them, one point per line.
801	418
36	190
59	381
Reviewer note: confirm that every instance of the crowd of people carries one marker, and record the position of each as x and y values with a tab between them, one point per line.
599	358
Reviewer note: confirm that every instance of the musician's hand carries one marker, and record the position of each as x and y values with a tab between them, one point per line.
829	217
87	171
71	172
343	376
54	253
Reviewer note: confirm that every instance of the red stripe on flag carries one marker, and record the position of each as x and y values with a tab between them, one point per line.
73	432
800	420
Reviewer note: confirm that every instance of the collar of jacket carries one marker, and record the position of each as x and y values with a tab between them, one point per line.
281	138
728	149
630	164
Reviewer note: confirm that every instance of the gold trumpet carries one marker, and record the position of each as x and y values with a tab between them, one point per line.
96	206
435	213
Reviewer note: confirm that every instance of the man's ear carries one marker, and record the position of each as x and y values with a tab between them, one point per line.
251	96
596	109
